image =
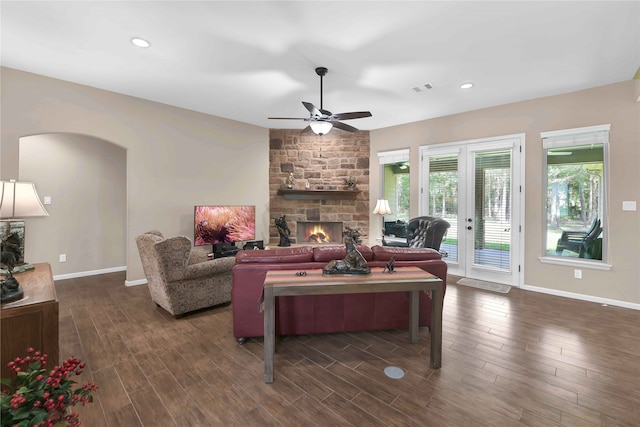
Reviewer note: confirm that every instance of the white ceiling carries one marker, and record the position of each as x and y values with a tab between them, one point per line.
250	60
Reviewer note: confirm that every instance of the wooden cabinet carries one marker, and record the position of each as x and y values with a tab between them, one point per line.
31	321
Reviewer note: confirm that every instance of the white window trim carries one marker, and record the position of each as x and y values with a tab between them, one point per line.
395	156
576	262
567	133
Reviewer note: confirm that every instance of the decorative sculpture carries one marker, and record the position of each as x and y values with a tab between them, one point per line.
283	231
9	254
353	233
351	183
290	181
353	263
390	266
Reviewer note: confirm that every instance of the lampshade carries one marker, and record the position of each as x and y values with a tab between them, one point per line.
321	127
382	207
20	200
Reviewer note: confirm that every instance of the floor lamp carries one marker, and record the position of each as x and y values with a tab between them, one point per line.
382	208
17	200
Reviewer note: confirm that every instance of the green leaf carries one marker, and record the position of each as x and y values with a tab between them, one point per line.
7	381
40	417
23	390
21	415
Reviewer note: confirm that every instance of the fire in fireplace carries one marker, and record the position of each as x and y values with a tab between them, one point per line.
319	232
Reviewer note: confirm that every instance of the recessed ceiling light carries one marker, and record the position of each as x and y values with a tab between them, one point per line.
467	85
140	42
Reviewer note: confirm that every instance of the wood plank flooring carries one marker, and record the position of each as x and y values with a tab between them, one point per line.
513	359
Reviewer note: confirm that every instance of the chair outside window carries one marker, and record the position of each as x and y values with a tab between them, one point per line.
585	243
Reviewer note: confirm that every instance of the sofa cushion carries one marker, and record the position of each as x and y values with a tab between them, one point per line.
330	253
384	253
270	256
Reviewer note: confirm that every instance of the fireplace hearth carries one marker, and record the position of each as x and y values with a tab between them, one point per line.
322	232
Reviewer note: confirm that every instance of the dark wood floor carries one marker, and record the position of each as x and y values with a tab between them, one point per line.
508	360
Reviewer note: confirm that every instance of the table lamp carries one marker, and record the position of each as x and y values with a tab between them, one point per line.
17	200
382	208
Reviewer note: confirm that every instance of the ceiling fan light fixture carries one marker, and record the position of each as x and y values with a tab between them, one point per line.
321	127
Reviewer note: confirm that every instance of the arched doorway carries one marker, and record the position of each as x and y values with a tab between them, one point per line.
85	177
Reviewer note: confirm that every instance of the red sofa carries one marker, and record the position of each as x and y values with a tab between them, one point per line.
312	314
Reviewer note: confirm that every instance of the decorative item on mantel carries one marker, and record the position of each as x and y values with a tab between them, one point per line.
354	262
290	181
351	183
283	231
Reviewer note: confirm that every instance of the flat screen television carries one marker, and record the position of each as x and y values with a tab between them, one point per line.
224	224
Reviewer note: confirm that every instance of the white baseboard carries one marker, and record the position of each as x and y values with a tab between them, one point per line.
582	297
135	282
89	273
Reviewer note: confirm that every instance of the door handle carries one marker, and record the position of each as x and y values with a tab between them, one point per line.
469	220
469	227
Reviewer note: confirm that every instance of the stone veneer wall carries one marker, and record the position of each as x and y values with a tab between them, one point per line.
323	161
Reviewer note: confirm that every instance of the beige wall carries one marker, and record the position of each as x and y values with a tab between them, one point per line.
175	158
86	180
612	104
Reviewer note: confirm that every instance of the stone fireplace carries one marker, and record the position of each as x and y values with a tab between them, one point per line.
308	182
322	232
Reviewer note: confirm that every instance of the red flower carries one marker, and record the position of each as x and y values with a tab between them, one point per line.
43	397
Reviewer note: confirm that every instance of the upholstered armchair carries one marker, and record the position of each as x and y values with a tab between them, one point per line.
424	232
181	279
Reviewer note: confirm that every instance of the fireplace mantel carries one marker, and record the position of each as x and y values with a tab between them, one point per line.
318	194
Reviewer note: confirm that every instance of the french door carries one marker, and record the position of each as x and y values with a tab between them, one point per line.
477	187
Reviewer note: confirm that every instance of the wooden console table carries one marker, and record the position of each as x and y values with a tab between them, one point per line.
31	321
404	279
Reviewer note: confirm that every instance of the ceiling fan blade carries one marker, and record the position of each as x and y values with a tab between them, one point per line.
286	118
343	126
353	115
312	109
307	129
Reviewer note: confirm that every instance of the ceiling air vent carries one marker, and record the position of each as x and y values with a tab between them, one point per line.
423	87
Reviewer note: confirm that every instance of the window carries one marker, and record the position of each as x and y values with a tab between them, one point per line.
576	171
395	188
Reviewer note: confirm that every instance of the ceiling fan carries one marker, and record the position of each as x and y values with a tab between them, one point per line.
321	121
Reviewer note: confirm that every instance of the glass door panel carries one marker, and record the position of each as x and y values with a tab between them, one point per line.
491	224
443	199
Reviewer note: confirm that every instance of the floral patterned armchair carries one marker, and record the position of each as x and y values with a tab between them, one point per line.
181	279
